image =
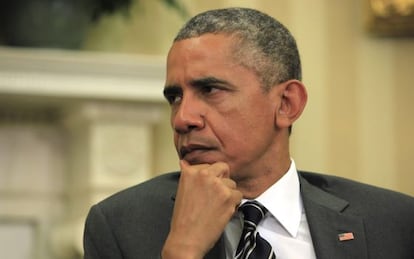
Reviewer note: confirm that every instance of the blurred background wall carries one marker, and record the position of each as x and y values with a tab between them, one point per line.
77	125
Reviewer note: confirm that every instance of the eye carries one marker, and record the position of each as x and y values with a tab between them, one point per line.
173	94
206	89
172	99
209	86
209	89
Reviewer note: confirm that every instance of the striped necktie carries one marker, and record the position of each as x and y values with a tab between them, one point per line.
252	245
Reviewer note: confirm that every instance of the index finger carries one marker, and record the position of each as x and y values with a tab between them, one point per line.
219	169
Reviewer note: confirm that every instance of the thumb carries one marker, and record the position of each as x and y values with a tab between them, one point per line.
184	165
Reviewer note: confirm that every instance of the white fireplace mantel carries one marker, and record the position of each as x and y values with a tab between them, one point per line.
78	74
107	105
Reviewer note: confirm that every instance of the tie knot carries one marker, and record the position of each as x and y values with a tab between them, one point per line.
253	212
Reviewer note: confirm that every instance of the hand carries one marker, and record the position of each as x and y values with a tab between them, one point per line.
206	200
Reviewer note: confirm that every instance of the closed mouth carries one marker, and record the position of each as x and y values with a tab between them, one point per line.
191	148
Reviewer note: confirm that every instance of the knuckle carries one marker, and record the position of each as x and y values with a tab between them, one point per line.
204	172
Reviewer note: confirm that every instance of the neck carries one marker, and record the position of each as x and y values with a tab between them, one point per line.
254	186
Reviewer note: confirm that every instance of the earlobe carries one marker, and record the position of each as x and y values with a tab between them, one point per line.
293	100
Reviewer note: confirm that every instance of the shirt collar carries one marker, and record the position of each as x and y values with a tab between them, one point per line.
283	200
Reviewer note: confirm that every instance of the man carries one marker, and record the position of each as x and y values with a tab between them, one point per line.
233	84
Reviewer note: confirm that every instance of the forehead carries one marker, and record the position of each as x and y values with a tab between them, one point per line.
207	56
207	52
206	44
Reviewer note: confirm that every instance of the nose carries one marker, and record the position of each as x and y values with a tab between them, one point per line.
188	115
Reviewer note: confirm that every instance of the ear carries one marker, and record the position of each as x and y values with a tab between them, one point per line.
293	100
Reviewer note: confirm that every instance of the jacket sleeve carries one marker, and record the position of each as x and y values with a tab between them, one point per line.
99	241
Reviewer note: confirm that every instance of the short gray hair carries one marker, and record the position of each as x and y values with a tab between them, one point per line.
264	44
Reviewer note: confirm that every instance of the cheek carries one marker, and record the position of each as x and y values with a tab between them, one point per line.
239	131
253	127
256	119
175	137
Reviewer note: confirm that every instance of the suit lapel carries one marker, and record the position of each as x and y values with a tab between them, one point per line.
218	251
327	219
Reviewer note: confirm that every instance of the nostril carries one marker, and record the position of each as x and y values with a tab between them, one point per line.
183	129
180	130
191	121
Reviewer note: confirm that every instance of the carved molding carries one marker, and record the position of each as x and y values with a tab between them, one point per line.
78	74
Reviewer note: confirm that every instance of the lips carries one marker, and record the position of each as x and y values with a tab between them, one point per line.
191	149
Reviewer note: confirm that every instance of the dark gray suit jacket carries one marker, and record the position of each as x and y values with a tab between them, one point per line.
134	223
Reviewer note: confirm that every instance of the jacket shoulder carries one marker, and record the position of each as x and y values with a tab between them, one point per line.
361	196
132	223
157	189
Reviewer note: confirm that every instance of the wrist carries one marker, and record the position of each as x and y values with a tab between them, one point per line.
175	248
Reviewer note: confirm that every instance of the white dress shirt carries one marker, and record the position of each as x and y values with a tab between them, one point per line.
285	225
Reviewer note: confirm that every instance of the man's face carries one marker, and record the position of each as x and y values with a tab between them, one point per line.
219	111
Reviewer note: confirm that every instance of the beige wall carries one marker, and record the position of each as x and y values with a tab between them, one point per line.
358	122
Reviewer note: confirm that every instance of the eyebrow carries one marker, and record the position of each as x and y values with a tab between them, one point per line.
175	89
206	81
170	90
